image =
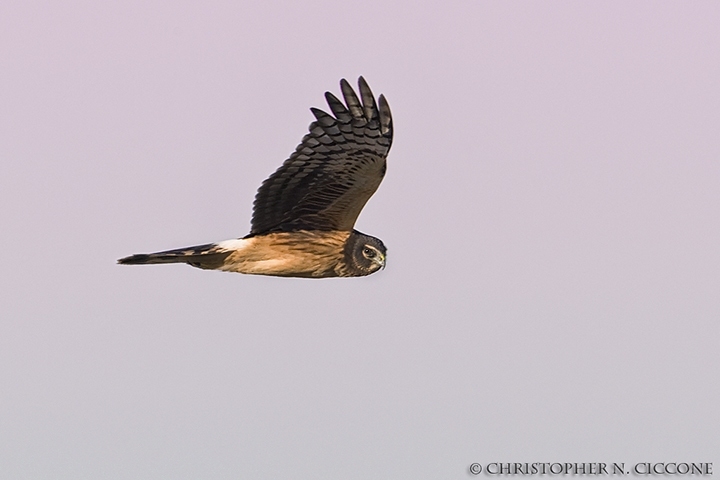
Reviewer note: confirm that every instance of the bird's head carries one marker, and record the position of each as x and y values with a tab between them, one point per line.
365	254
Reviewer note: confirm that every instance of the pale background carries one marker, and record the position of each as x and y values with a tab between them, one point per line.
551	211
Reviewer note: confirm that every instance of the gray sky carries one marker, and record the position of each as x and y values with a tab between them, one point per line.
551	213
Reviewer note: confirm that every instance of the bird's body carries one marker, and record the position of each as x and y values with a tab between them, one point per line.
304	213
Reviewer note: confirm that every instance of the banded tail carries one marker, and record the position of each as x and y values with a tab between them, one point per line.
209	256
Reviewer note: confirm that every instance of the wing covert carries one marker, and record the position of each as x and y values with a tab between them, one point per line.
333	172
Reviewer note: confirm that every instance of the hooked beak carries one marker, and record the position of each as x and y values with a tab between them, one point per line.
380	260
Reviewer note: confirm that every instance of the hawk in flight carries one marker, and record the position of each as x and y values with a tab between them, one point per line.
304	213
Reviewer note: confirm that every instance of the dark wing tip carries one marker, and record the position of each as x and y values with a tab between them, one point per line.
352	100
344	84
338	108
368	100
323	117
386	126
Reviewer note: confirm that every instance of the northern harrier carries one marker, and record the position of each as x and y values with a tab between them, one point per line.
304	213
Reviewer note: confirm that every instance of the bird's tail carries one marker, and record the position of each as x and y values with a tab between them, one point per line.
208	256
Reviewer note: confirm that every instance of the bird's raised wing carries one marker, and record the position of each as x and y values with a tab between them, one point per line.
334	171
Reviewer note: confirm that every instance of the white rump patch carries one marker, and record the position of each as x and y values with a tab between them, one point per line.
235	244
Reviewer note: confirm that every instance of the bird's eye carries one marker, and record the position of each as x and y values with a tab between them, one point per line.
369	252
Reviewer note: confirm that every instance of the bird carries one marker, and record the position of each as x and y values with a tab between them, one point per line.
304	214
